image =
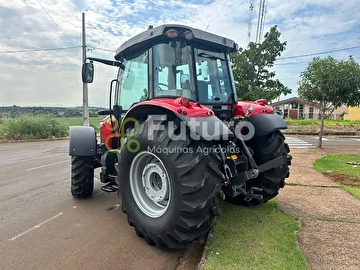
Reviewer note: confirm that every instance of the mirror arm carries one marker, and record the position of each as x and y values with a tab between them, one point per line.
107	62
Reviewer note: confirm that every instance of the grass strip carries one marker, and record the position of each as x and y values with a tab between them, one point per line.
336	168
261	237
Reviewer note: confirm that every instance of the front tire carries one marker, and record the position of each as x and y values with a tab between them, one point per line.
170	195
266	148
82	176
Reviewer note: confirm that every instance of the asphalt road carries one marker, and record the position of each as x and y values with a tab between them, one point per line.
43	227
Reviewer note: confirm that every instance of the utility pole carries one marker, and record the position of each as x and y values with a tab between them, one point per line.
85	87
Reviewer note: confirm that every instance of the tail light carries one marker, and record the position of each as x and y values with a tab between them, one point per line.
262	101
172	33
185	102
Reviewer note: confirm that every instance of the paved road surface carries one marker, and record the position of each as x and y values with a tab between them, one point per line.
311	142
43	227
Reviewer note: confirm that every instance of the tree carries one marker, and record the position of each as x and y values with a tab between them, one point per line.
330	84
251	66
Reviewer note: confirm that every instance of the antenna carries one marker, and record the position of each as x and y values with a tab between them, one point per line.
251	17
261	20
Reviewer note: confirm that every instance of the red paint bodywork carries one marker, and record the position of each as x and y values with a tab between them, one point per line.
259	106
106	131
194	109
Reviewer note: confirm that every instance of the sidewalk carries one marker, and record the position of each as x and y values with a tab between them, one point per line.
330	217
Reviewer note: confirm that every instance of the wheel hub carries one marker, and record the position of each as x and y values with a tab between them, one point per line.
155	182
150	184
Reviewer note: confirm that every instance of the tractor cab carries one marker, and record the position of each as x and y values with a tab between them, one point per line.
172	61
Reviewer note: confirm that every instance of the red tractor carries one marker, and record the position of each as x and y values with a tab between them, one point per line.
176	140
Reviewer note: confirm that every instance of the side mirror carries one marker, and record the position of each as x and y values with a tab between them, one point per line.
87	72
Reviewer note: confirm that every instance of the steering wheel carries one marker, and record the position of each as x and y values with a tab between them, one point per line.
216	98
163	84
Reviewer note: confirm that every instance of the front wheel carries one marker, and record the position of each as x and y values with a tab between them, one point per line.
267	148
169	190
82	176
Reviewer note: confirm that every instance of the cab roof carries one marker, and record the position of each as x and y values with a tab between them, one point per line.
157	34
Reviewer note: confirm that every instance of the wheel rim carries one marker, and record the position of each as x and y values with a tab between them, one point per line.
150	184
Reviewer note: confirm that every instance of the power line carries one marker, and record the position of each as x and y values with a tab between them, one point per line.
101	49
52	49
291	63
313	54
39	50
56	24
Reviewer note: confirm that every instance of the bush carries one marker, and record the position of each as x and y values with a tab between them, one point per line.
33	127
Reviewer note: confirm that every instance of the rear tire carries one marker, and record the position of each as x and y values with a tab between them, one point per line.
180	205
266	148
82	176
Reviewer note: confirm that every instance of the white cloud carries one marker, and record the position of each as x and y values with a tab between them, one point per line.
53	78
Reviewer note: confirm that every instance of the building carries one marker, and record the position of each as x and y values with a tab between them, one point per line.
353	113
297	108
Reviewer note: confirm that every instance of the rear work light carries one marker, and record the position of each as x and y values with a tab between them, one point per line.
188	35
171	33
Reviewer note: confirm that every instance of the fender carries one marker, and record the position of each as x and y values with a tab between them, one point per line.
208	128
266	123
82	141
202	124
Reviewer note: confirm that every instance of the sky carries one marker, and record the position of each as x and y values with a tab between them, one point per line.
52	77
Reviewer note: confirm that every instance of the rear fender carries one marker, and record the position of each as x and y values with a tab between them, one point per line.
201	127
82	141
266	123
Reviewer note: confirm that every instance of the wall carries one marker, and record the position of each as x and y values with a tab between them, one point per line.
316	111
353	113
306	107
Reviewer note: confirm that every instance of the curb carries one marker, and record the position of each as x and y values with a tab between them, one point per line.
201	264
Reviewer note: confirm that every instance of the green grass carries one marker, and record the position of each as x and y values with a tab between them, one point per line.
32	127
27	127
261	237
355	191
1	128
337	164
305	122
78	121
335	167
